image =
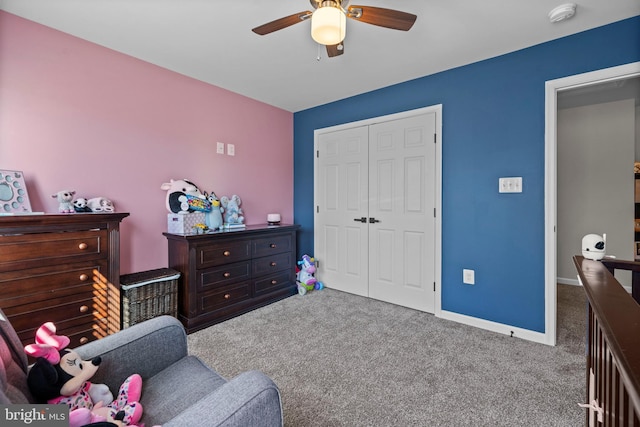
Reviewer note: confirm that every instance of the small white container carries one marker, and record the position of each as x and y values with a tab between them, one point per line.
273	218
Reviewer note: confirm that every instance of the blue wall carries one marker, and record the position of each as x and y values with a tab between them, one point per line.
493	126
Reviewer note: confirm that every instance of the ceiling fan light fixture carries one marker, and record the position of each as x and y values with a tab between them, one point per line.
328	24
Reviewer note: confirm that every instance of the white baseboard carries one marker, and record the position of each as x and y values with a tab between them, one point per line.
565	281
495	327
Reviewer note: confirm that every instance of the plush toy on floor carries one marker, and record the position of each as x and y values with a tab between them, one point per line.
304	277
60	376
65	201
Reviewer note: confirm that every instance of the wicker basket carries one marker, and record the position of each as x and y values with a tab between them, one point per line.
148	294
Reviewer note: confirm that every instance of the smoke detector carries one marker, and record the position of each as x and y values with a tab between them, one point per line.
562	12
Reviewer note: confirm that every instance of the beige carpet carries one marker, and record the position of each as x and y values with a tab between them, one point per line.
344	360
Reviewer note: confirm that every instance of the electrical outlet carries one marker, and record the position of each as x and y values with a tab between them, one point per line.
231	150
468	277
220	147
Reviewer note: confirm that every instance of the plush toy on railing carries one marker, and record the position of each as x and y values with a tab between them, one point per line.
60	376
304	277
183	196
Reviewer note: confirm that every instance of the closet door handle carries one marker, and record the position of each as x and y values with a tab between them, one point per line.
372	220
363	219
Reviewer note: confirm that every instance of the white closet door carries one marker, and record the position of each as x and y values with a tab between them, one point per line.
341	242
375	225
402	183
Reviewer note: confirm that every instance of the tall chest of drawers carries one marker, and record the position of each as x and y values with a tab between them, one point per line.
63	268
228	273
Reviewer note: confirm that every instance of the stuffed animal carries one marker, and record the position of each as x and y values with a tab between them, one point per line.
232	211
184	196
304	277
80	205
100	204
213	218
60	376
65	201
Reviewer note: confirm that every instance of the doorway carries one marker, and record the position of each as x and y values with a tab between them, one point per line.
377	195
551	114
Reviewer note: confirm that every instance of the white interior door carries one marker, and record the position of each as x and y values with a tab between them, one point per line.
342	198
402	180
375	224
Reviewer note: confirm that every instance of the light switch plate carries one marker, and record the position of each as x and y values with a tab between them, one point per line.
231	149
220	147
510	184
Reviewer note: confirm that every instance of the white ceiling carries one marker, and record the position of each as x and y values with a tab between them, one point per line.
212	41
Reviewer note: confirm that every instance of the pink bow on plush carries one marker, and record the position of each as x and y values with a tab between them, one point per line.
47	344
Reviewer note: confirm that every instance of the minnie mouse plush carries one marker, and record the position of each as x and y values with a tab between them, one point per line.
59	375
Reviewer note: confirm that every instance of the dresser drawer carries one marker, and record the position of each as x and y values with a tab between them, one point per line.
45	283
271	264
223	275
34	250
78	330
275	244
220	253
83	333
272	283
223	297
82	307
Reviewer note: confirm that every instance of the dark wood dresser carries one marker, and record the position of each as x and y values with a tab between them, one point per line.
63	268
230	272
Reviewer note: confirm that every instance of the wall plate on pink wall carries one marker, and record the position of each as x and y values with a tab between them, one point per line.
13	193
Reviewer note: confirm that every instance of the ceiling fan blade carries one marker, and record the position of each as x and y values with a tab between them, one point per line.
281	23
382	17
335	50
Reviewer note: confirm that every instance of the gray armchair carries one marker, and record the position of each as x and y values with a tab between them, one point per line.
177	389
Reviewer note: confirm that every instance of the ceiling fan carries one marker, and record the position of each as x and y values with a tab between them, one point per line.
328	21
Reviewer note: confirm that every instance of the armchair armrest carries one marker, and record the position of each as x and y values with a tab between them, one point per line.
145	348
250	399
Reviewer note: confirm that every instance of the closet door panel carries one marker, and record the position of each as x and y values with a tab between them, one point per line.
341	199
402	201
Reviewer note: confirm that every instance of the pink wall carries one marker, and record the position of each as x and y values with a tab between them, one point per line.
74	115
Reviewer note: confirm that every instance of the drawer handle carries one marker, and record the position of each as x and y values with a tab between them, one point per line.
227	274
84	309
226	253
273	264
273	282
84	340
83	246
227	296
272	246
83	277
